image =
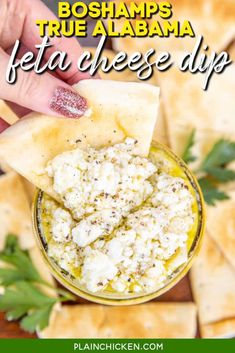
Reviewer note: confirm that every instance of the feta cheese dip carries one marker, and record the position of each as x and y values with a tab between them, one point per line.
123	224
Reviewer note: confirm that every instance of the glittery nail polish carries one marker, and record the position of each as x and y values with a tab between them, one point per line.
68	103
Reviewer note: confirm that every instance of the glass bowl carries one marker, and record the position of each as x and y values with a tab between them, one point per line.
127	299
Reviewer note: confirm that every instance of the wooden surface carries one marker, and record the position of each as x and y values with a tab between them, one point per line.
180	293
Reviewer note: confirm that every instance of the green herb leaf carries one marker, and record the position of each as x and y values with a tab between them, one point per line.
213	169
210	192
9	276
222	175
24	294
187	155
37	320
23	297
16	313
14	256
222	153
26	301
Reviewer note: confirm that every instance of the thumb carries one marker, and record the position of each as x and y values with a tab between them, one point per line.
42	93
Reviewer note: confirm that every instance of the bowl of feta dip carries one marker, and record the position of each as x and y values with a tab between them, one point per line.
124	228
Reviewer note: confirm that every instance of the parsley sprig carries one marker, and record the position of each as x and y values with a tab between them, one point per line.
213	170
23	296
187	155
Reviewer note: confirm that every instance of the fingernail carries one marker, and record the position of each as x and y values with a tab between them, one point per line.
3	125
68	103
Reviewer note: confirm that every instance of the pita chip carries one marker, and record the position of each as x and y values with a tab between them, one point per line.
15	215
40	264
30	190
117	110
223	329
4	167
7	113
221	226
160	133
10	117
187	107
15	218
213	285
211	18
231	50
153	320
45	274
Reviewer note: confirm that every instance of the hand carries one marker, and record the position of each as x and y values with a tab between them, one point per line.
46	93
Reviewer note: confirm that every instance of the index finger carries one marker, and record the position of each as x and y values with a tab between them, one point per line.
36	10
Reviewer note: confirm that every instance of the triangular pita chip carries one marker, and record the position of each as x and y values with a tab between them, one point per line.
15	215
10	117
4	167
118	110
212	18
188	106
213	285
40	265
15	218
160	131
30	190
231	50
7	113
221	226
153	320
220	329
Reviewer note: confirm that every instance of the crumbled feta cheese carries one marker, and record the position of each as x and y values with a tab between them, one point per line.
61	225
95	225
97	270
125	221
91	180
65	256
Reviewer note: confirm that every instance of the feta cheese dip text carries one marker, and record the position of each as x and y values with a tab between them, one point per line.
124	222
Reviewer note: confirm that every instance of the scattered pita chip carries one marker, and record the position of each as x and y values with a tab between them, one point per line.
218	329
7	113
211	18
4	167
231	50
40	264
213	285
160	133
15	215
118	110
187	106
15	218
153	320
221	225
10	117
44	272
221	329
30	190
